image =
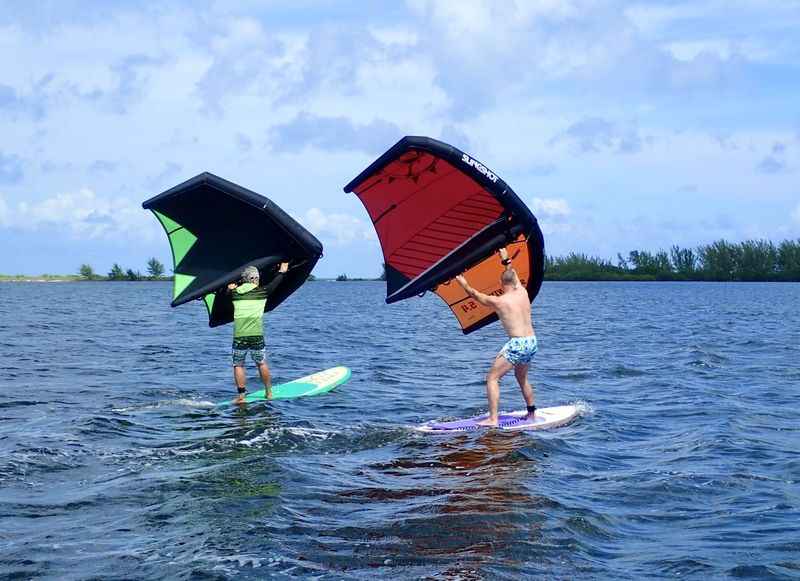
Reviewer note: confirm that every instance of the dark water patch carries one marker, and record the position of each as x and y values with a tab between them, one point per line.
21	403
755	572
96	427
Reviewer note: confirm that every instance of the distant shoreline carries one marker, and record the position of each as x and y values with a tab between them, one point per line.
720	261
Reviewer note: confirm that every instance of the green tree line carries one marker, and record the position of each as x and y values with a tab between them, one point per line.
751	260
155	271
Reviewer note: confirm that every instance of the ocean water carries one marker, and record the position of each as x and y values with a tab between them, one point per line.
685	461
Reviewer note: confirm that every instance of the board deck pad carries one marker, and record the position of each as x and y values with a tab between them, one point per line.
314	384
551	417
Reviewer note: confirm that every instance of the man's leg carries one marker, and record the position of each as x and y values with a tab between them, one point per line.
260	359
240	379
266	379
499	368
521	372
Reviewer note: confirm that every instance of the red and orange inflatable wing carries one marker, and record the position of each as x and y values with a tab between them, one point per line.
439	212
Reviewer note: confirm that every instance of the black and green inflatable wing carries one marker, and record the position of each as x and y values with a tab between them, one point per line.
217	228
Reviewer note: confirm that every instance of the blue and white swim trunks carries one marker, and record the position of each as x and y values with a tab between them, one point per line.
520	350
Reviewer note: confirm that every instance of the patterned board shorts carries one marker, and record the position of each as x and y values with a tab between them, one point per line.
520	350
252	345
257	355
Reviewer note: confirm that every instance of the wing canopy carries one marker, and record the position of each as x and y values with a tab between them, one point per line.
438	212
216	228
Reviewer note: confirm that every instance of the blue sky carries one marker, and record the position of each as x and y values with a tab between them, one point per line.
623	125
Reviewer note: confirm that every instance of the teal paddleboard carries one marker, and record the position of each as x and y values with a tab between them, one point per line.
314	384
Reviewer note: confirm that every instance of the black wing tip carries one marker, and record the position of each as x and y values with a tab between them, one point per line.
402	144
199	178
205	177
258	201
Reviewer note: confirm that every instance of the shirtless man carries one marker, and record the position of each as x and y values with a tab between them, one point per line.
513	308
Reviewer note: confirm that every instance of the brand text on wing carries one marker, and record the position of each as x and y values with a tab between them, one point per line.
480	167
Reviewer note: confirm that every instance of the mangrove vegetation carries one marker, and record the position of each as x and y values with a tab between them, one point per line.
723	261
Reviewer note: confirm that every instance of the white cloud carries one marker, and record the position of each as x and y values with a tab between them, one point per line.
82	213
689	50
651	19
4	213
548	208
795	214
491	20
516	39
395	36
333	134
723	48
553	215
594	134
247	62
337	228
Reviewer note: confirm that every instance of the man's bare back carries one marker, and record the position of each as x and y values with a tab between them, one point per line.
513	308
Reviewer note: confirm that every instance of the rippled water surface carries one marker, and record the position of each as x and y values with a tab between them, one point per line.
684	463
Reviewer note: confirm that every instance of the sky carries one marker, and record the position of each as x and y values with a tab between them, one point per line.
623	125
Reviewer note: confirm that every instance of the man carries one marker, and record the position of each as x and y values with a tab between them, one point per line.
249	301
513	308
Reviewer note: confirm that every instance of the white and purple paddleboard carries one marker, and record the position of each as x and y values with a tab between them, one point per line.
508	421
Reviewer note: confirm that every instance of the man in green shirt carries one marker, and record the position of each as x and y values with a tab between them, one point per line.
249	300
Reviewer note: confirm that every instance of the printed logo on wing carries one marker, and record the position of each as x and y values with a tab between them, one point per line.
480	167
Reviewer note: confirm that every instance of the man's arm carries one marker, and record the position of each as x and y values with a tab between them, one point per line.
484	299
273	284
504	259
506	262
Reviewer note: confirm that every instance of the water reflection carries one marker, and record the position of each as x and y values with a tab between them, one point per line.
490	509
449	508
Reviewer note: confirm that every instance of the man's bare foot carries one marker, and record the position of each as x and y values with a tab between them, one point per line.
268	393
239	399
489	422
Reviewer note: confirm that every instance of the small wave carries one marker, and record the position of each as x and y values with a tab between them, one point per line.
584	408
624	371
21	403
313	432
183	402
192	403
273	434
229	564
